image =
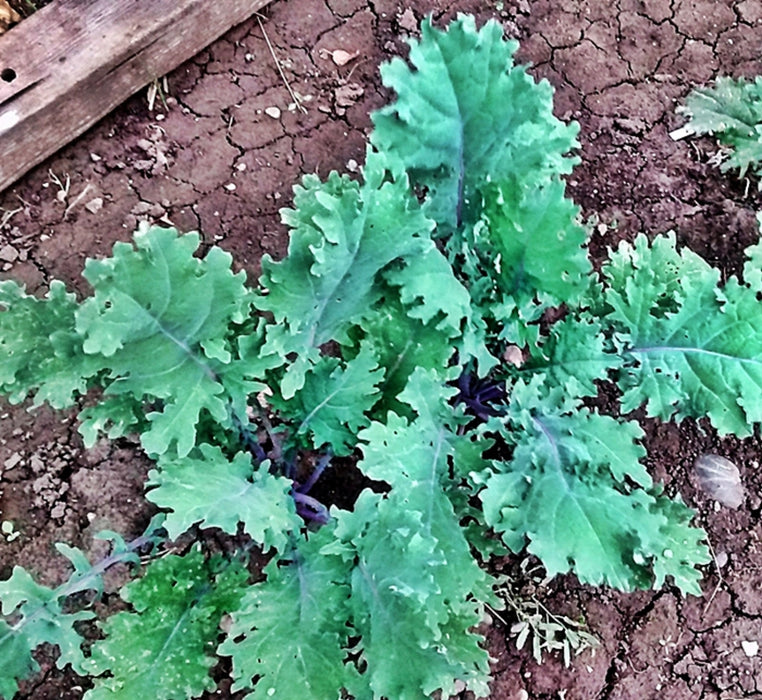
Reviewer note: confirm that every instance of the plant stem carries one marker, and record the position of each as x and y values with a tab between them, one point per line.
320	467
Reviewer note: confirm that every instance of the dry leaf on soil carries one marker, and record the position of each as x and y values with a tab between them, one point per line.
339	56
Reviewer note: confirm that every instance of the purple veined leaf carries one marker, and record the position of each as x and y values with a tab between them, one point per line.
720	479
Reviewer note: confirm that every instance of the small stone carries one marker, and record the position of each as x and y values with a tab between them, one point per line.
12	461
94	205
58	511
36	464
140	208
8	254
750	648
407	21
95	158
230	187
720	479
348	94
273	112
249	57
514	356
352	165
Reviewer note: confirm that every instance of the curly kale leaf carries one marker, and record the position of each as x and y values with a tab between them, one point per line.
164	648
575	354
158	320
290	630
343	235
691	347
40	351
465	115
576	491
332	405
35	616
415	579
403	343
534	244
208	489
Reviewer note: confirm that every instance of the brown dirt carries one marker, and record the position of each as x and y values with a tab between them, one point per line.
619	68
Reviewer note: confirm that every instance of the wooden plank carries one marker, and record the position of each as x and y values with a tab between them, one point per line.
73	61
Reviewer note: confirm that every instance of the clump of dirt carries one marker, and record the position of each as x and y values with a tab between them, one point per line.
221	153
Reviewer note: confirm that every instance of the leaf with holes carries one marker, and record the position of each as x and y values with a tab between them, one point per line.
691	347
164	647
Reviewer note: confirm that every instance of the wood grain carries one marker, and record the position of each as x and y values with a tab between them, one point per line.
73	61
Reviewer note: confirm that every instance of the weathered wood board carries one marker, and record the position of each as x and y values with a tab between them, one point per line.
73	61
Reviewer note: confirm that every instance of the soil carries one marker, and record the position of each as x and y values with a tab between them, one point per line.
217	157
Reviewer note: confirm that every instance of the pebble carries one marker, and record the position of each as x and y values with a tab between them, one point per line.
94	205
751	649
8	254
273	112
348	94
12	461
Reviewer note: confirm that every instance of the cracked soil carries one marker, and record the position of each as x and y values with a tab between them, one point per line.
220	154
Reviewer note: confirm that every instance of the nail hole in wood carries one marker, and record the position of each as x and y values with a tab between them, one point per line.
8	75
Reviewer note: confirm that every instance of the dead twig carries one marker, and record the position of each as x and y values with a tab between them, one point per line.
8	214
720	578
77	199
294	96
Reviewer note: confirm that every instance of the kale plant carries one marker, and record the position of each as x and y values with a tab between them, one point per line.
381	337
731	110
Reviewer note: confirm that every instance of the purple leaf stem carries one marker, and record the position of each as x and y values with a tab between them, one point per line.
310	508
320	467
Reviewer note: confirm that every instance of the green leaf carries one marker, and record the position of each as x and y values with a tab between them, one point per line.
571	490
38	619
40	352
415	579
290	631
693	348
332	404
574	355
208	489
430	291
732	111
165	648
157	319
112	416
402	343
16	660
343	235
415	582
465	115
534	241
